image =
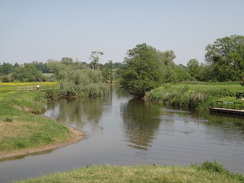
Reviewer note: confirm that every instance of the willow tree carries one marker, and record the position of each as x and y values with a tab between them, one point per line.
76	79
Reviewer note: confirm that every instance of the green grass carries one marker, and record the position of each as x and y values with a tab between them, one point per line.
231	86
196	95
20	127
206	172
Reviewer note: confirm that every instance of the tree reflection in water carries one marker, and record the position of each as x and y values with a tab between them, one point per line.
141	122
76	112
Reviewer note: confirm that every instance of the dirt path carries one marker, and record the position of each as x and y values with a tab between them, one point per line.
75	136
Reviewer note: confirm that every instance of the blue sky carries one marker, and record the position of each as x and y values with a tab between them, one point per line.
38	30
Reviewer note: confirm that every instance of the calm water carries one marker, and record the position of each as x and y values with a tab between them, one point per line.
125	131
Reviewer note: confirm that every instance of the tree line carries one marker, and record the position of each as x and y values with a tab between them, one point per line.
144	68
147	68
38	71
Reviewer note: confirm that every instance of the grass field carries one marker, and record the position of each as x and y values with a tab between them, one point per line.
207	172
232	86
195	95
19	127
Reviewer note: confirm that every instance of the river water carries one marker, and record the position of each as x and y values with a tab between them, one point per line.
121	130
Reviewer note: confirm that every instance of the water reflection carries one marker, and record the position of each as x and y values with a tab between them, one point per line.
76	113
141	122
125	131
226	128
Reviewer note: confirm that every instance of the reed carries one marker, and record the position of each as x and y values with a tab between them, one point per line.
191	96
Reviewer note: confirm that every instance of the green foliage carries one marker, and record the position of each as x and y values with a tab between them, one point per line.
27	73
6	69
212	167
107	72
6	79
145	68
189	96
67	60
95	57
223	92
182	75
142	70
242	82
76	79
51	93
193	67
225	57
40	66
239	95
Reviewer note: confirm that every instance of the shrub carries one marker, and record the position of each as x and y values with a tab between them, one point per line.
220	93
6	79
184	97
213	167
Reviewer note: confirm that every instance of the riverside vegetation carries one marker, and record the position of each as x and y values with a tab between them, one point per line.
146	72
206	172
20	127
196	95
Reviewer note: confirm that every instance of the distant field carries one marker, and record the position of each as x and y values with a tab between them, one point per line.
5	88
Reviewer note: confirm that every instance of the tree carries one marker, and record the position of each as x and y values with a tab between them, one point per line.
226	57
193	67
16	65
108	71
95	57
141	72
40	66
76	79
27	73
167	57
6	69
67	60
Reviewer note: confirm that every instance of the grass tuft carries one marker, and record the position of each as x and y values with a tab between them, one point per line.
207	172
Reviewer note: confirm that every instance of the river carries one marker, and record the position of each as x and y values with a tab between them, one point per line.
121	130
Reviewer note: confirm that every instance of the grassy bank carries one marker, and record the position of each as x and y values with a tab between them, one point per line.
20	127
207	172
198	95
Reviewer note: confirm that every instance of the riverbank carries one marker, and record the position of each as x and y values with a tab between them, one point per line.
195	95
24	132
206	172
75	136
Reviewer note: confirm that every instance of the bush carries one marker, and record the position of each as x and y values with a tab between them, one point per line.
6	79
213	167
220	93
184	97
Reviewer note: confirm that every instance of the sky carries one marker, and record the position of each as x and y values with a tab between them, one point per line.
38	30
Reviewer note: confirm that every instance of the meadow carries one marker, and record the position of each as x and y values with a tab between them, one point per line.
20	125
195	95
